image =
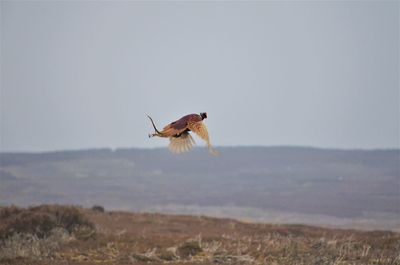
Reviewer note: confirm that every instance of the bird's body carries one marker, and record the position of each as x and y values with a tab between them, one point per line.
179	136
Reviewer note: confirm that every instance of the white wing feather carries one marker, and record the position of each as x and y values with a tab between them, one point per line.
181	144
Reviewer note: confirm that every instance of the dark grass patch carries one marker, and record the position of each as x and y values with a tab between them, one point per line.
189	249
98	208
41	220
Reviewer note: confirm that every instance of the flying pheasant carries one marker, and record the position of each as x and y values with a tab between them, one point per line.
178	133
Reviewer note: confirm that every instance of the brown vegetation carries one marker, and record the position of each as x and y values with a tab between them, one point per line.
98	208
49	236
40	220
38	232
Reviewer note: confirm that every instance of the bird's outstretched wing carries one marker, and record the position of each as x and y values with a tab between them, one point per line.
200	129
181	144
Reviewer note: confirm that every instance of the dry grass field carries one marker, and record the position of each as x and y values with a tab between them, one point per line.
54	234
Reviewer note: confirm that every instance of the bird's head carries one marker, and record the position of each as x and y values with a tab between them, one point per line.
203	115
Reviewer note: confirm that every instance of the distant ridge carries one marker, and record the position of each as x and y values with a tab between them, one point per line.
257	147
288	183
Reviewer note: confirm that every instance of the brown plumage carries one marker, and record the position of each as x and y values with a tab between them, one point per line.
179	136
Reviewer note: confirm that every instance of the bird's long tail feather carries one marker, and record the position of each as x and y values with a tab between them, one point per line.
154	126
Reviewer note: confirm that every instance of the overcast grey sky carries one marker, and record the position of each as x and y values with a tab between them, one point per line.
84	74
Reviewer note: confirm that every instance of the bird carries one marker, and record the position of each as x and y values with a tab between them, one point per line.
180	139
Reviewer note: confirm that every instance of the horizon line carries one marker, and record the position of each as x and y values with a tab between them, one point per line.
200	147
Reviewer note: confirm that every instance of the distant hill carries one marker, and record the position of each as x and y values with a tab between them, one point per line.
344	188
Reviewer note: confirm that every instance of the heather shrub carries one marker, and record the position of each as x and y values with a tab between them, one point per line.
37	232
98	208
20	245
189	249
41	220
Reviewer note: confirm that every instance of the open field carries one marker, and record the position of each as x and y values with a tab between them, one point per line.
74	235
